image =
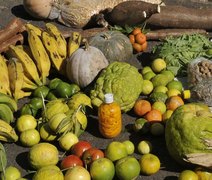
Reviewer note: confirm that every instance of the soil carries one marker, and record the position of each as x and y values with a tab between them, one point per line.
17	155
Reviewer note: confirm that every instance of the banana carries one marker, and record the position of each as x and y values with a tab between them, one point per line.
28	82
62	44
7	133
52	48
74	43
36	29
53	107
9	101
6	113
4	76
40	55
30	69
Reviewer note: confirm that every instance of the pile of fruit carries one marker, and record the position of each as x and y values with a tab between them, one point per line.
53	74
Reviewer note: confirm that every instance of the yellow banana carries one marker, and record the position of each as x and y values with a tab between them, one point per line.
9	101
28	82
74	43
40	55
36	29
52	48
7	133
4	76
62	44
29	66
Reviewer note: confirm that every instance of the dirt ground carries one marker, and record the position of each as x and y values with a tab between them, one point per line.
17	155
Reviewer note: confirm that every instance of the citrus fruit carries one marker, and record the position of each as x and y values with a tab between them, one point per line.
136	30
65	89
46	133
188	175
160	106
146	69
115	150
159	80
149	75
77	172
147	87
41	92
160	88
149	164
169	74
129	146
127	168
173	92
43	154
11	173
167	115
141	107
54	83
141	125
30	137
25	122
144	147
158	65
174	102
174	84
102	169
153	115
48	173
157	129
68	140
36	103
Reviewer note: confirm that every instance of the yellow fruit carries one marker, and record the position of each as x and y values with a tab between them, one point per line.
188	175
149	75
159	105
30	137
186	94
173	92
161	88
46	133
167	115
144	147
146	69
174	84
158	65
147	87
26	122
68	140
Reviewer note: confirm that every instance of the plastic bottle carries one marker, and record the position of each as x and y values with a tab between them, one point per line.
110	118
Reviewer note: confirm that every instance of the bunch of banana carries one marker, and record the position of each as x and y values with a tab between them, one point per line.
7	133
74	42
20	85
4	76
8	106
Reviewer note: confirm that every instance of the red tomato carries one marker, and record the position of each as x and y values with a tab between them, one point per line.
71	161
91	155
81	146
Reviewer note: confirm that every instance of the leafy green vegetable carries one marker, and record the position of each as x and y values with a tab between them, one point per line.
179	51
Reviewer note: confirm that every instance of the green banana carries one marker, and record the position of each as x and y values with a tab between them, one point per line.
52	48
7	133
9	101
6	113
53	107
3	158
62	44
74	42
40	55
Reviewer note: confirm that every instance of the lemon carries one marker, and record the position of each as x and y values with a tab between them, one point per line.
149	75
25	122
159	105
46	133
167	115
147	87
144	147
174	84
158	65
30	137
146	69
160	88
11	173
188	175
173	92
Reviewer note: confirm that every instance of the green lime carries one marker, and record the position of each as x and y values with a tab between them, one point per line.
41	91
169	74
36	103
149	75
160	88
26	109
146	69
54	83
65	90
174	84
51	95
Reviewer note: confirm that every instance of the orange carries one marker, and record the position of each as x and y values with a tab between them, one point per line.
142	107
136	31
132	38
137	47
144	46
140	38
174	102
153	115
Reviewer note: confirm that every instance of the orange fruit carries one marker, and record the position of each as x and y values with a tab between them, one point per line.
137	47
153	115
136	31
174	102
144	46
140	38
132	38
141	107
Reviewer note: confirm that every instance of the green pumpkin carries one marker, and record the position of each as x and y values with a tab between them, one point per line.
115	45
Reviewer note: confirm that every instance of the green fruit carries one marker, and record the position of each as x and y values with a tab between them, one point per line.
51	172
158	96
146	69
149	75
27	109
11	173
169	74
65	90
160	80
43	154
30	137
141	125
174	84
41	92
51	95
54	83
36	103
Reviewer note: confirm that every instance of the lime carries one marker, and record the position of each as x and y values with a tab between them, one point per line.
160	88
159	105
147	87
158	65
169	74
144	147
41	91
30	137
65	90
146	69
174	84
54	83
51	95
36	103
27	109
149	75
159	80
